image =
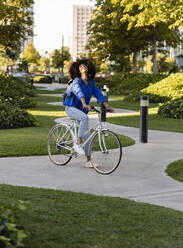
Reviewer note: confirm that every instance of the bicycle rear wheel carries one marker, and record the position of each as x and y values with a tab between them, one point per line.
60	143
105	152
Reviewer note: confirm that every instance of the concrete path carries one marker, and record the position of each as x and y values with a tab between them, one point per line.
141	175
53	86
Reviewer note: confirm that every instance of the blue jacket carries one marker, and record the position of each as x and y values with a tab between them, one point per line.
79	89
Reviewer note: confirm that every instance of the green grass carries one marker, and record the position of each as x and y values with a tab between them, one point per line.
58	219
33	140
175	170
155	121
57	91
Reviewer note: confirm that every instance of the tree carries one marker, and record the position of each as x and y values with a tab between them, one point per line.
31	55
59	57
110	39
156	17
44	64
15	24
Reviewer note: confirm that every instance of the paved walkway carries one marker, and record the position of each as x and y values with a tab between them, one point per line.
140	177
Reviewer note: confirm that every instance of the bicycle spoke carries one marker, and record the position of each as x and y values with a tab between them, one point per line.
60	144
105	151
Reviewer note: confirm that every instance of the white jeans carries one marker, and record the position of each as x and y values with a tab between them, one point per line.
83	119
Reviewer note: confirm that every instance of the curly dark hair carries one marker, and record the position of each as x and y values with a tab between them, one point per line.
74	68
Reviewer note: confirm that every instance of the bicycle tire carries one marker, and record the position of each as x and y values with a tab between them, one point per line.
60	143
107	156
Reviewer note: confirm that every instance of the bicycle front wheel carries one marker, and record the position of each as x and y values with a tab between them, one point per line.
105	152
60	143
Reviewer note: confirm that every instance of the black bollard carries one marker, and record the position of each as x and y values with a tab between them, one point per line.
144	104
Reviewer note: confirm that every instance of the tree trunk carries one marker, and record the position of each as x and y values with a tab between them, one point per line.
134	68
154	55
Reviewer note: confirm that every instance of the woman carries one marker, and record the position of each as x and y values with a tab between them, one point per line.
77	105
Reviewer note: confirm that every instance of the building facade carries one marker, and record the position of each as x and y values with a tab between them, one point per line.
29	38
81	17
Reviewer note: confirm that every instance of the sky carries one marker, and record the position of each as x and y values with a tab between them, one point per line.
52	20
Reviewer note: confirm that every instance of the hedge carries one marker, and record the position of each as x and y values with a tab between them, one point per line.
16	92
15	117
166	89
172	109
130	84
43	79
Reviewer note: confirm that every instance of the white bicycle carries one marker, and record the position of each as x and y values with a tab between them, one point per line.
105	146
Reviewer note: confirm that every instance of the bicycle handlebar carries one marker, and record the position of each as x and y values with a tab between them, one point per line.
98	111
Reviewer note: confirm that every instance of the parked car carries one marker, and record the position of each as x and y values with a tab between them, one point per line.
21	75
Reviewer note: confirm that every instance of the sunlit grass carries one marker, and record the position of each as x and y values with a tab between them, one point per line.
48	113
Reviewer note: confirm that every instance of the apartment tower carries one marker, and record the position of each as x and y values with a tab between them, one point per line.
81	17
29	38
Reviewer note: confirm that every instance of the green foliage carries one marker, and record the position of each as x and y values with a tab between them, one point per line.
114	81
109	38
16	24
129	84
23	65
15	117
156	27
172	109
63	80
43	79
59	57
12	234
169	88
133	86
44	64
30	54
16	92
167	64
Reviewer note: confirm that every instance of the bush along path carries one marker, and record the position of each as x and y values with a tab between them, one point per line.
15	97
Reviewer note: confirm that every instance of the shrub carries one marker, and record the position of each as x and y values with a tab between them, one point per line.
15	117
16	92
172	109
114	82
43	79
129	84
132	86
12	235
63	80
166	89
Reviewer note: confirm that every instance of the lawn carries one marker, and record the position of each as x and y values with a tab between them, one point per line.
155	121
58	219
175	170
33	140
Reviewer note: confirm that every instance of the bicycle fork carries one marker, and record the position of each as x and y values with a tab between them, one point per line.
102	143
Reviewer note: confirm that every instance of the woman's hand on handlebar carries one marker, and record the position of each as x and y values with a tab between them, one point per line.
87	107
109	109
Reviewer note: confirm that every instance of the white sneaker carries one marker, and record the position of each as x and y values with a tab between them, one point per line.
79	149
89	164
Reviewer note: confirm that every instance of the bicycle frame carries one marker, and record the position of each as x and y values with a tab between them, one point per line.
73	129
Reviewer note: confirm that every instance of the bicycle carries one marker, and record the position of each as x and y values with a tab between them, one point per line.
105	146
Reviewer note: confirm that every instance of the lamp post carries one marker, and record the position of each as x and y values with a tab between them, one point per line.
62	54
106	88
